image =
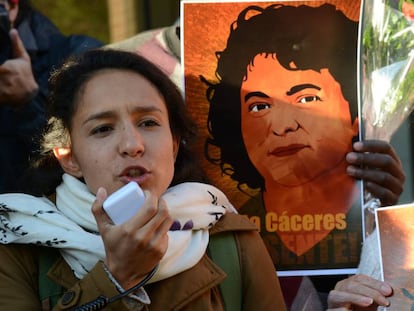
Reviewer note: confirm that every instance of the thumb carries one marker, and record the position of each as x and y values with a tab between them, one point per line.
101	217
17	46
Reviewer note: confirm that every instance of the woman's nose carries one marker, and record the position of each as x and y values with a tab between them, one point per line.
131	142
283	120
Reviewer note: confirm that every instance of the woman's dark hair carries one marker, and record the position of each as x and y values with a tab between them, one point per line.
311	37
65	87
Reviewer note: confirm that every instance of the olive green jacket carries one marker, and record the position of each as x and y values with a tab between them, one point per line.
194	289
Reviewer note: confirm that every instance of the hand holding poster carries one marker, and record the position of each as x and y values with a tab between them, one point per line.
272	85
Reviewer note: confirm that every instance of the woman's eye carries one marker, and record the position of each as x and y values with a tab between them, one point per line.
148	123
308	99
101	129
258	107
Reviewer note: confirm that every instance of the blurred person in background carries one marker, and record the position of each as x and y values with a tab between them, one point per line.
32	47
159	45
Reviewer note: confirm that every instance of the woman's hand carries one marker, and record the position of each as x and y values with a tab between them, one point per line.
135	247
377	164
359	292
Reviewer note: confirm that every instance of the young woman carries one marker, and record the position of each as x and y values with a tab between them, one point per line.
116	118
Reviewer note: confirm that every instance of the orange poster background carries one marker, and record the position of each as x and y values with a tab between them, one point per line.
205	28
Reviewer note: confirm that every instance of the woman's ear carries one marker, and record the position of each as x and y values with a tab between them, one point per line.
67	161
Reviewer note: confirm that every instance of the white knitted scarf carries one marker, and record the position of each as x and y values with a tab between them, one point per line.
70	225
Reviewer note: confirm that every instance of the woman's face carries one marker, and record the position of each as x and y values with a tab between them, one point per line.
121	133
296	124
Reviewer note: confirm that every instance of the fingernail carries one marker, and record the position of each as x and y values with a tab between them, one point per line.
383	302
386	289
351	157
366	301
101	194
351	170
358	145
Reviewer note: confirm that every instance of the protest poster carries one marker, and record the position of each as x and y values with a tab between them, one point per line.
272	86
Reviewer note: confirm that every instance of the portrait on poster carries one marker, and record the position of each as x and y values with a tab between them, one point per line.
273	88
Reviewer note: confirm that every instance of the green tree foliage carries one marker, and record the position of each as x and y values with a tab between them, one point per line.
77	16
